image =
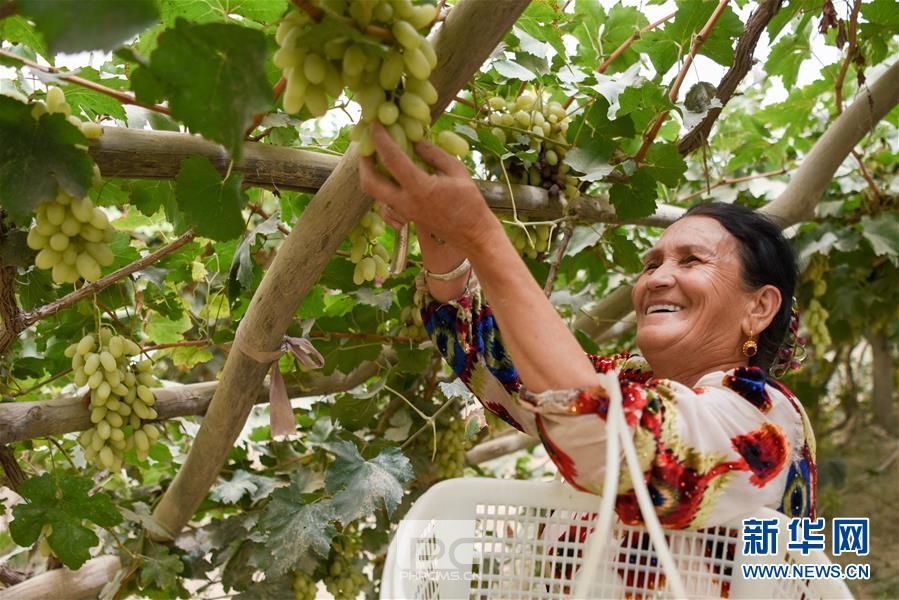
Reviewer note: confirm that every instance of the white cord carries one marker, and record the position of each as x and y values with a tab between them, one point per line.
596	544
617	430
650	518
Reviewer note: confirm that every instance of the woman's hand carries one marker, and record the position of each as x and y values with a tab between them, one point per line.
446	204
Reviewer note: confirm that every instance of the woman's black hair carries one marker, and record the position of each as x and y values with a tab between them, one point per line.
767	259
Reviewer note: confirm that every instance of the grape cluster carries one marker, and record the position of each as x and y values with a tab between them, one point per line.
451	447
530	243
815	319
71	236
388	80
367	253
345	578
56	104
304	587
411	325
120	398
529	124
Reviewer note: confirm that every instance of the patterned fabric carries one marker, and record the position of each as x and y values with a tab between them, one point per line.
734	442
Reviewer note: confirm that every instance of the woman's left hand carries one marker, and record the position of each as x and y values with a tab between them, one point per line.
446	203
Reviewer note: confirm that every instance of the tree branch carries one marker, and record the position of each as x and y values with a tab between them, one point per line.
21	421
14	474
122	97
63	583
144	154
731	181
567	230
851	55
101	284
10	576
604	65
470	33
11	316
500	446
650	136
743	53
7	9
595	320
797	202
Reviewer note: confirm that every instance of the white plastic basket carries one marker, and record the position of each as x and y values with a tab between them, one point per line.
486	538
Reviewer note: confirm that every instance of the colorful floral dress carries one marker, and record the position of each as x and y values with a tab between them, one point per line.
721	449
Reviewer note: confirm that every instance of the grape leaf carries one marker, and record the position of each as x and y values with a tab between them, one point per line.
882	233
160	568
161	330
188	357
591	157
242	483
14	250
211	206
513	70
664	46
665	164
206	11
149	196
297	529
91	102
225	85
62	501
35	156
365	485
636	198
17	30
101	24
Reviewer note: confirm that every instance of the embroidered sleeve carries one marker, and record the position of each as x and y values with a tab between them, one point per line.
466	334
708	454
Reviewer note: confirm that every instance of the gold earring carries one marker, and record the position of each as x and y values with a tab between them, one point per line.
750	347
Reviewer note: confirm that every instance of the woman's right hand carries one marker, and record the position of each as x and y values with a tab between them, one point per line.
446	204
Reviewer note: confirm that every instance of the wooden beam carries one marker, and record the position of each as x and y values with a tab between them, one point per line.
85	582
26	420
145	154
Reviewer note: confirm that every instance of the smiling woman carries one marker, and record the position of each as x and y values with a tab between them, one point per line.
717	436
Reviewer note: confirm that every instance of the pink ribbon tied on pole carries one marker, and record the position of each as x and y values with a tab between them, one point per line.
282	419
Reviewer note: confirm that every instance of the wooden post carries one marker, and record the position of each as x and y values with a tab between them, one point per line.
86	582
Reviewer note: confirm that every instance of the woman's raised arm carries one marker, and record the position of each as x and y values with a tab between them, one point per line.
449	205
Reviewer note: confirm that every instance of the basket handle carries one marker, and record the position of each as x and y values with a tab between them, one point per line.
617	430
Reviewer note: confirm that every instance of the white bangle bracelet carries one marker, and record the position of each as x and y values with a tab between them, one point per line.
460	270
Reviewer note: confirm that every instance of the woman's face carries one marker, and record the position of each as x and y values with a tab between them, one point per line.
690	299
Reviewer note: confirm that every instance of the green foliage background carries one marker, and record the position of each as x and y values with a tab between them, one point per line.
279	505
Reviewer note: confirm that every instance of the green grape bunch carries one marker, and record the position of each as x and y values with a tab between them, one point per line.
815	322
451	448
56	104
530	124
71	237
304	586
530	243
70	234
371	258
345	578
121	401
446	453
389	79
